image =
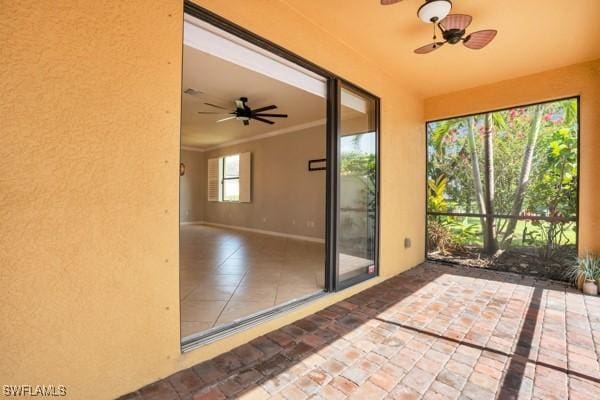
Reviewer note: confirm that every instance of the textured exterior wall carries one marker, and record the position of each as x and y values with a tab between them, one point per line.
582	80
89	193
89	179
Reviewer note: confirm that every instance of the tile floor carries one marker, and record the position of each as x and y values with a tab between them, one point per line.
227	274
434	332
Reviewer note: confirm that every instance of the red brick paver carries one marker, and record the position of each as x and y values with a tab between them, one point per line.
434	332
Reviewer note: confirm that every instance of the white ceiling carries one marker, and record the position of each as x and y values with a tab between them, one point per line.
221	82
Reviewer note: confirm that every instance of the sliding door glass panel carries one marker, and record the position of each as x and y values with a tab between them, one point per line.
357	187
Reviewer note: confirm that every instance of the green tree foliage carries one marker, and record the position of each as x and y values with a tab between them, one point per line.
554	187
548	186
362	166
436	199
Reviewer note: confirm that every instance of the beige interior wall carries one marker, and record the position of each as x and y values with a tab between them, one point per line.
89	185
286	197
192	186
577	80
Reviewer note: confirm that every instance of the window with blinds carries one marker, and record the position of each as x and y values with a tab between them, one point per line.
229	178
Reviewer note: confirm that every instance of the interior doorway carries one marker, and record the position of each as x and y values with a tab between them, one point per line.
252	213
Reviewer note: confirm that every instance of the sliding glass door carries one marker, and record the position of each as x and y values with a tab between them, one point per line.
357	186
253	181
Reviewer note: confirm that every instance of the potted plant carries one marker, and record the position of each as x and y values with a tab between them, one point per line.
586	274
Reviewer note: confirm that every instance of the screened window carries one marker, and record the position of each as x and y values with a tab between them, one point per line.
502	188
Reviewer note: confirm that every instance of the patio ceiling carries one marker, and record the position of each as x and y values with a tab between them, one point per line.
534	36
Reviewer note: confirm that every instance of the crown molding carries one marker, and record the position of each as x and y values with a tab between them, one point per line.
283	131
191	148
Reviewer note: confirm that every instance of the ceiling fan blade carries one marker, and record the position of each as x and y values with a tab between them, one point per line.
480	39
388	2
271	115
456	21
216	106
266	121
267	108
226	119
246	122
429	48
213	112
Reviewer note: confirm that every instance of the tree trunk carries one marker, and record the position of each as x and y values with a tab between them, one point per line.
490	243
532	138
479	195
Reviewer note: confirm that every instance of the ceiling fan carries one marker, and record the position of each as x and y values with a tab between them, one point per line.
453	31
244	113
452	26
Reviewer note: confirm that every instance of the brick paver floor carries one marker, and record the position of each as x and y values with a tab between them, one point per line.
434	332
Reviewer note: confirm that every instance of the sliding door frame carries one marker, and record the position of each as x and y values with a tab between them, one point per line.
331	189
333	101
335	188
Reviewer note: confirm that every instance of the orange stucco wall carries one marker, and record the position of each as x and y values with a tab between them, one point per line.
582	80
89	185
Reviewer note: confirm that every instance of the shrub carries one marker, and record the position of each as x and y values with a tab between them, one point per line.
439	237
588	268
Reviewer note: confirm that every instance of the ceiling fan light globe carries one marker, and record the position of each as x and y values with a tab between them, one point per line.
434	10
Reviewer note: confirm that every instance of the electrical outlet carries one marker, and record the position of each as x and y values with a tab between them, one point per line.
264	219
293	222
407	243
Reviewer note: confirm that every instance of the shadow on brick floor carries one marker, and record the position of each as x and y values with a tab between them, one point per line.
435	331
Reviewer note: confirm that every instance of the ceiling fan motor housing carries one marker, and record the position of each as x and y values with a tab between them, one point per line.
243	114
453	36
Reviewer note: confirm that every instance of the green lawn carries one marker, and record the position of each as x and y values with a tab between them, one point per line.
534	235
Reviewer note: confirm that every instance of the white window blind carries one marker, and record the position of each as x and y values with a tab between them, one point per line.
214	180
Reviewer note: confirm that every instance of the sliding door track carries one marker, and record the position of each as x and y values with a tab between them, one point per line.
194	341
